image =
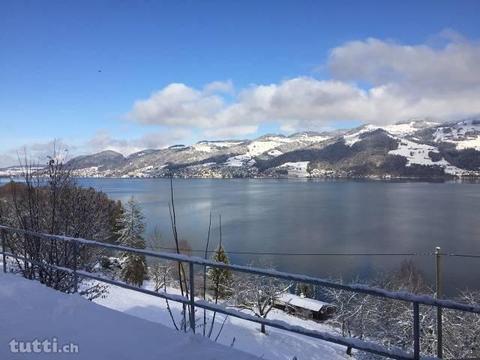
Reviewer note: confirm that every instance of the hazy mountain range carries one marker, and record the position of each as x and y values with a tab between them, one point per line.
418	148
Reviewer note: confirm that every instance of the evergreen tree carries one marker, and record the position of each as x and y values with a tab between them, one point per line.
220	279
131	227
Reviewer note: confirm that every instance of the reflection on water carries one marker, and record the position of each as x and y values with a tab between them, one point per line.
320	217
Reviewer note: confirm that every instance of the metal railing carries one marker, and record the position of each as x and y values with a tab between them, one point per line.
349	342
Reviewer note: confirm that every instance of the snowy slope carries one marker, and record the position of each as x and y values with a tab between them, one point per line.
418	154
272	146
245	336
464	134
37	312
354	136
261	156
415	153
266	144
296	169
409	127
212	146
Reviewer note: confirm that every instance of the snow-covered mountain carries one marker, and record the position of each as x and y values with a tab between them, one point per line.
417	148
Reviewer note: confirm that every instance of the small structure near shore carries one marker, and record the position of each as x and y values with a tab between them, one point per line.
304	307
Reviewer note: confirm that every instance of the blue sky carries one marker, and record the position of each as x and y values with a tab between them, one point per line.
131	74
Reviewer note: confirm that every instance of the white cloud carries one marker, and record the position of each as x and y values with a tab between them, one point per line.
229	132
179	105
420	68
219	87
403	81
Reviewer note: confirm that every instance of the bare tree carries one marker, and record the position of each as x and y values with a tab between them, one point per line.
462	330
49	201
182	278
258	294
390	321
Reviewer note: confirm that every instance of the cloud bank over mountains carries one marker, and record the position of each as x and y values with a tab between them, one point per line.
372	80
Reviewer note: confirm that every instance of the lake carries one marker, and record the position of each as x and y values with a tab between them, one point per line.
320	217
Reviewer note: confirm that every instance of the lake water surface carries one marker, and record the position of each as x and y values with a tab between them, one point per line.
300	216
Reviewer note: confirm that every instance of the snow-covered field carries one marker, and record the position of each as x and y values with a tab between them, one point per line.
298	169
31	311
210	146
239	160
409	127
464	134
415	153
236	333
419	154
131	325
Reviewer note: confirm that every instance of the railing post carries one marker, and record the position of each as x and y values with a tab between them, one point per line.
416	331
75	275
192	296
4	257
439	333
438	295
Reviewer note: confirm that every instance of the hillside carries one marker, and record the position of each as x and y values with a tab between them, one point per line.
418	148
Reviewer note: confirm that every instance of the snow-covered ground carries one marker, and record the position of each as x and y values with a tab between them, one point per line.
265	144
464	134
298	169
31	311
418	154
240	160
415	153
244	335
210	146
131	325
15	171
409	127
354	137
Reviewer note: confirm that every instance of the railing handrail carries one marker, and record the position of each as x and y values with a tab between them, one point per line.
359	288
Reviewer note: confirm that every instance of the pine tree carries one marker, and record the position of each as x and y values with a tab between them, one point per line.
131	227
220	279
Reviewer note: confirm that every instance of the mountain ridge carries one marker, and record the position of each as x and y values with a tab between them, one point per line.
417	148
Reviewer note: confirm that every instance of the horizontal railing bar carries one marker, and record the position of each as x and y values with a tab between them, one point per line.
364	289
38	263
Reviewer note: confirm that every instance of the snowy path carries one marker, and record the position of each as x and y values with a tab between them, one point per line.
30	311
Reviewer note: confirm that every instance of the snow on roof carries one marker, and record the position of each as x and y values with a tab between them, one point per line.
303	302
